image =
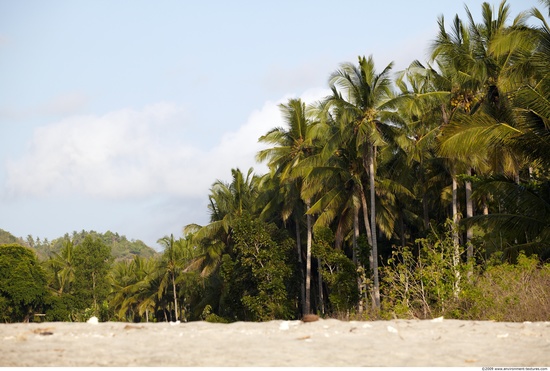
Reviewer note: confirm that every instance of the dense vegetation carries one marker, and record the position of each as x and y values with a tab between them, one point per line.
419	196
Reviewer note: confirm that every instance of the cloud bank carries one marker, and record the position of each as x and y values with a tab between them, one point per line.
98	167
132	153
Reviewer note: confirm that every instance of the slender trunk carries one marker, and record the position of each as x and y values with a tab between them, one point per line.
320	279
456	217
308	261
366	216
456	246
355	235
366	222
175	296
469	214
374	250
300	263
360	284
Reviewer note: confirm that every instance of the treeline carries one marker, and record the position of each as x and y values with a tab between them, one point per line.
421	195
121	248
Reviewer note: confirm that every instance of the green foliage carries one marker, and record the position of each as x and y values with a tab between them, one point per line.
61	308
432	285
121	248
208	316
92	261
8	238
338	272
263	255
22	283
509	292
427	285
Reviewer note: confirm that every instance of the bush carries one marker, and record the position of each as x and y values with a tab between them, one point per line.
425	286
509	292
436	284
338	272
22	284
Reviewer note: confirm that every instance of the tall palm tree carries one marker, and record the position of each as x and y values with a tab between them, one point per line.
359	93
524	216
173	264
421	104
292	144
480	81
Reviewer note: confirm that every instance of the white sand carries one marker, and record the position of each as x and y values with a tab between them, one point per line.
278	343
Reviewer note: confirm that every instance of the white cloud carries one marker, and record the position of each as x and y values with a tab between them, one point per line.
130	171
119	154
136	154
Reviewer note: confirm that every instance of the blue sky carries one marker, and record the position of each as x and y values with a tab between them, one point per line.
119	115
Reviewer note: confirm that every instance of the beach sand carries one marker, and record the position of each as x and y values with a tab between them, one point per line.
330	342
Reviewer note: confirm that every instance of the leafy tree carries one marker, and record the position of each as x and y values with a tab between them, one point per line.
92	261
338	272
264	257
22	283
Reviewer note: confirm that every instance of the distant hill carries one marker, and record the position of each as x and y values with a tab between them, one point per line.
7	237
121	247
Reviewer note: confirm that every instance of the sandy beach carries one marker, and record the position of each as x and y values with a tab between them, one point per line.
330	342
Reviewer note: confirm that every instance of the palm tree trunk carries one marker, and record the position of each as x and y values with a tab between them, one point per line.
355	251
308	261
366	216
456	217
369	239
374	250
320	279
300	263
469	214
456	252
175	296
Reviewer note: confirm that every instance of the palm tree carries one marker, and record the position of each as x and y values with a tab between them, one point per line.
173	264
228	201
360	114
282	201
481	112
62	264
134	290
292	146
524	216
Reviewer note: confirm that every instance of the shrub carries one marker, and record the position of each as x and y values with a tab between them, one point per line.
509	292
425	286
